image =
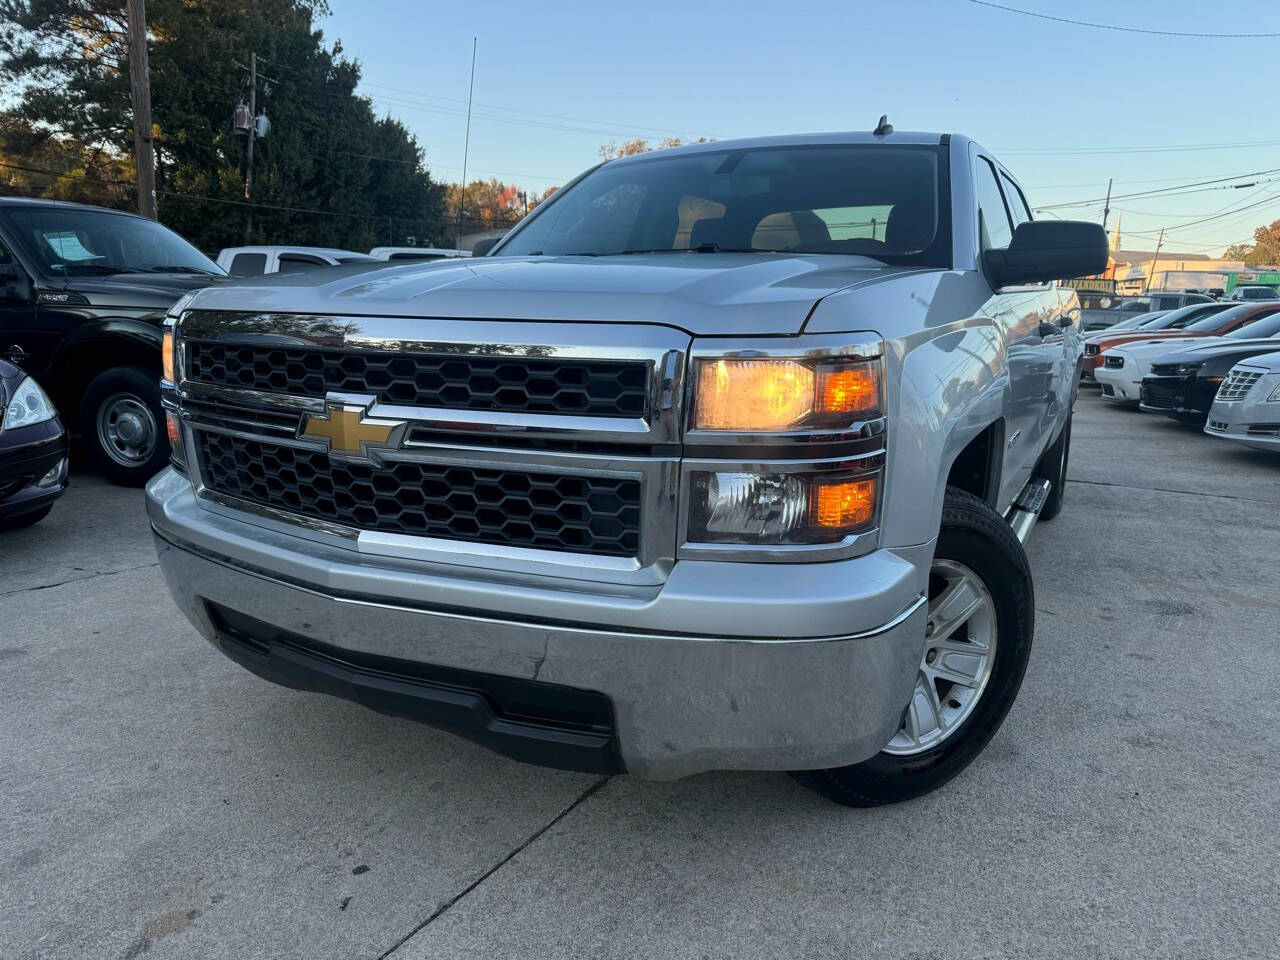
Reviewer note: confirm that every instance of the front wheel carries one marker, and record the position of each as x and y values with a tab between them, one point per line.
976	646
123	425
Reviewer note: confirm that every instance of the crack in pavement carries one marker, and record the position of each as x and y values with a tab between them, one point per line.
1189	493
91	576
439	911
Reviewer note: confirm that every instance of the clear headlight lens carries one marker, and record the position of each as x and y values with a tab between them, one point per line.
1275	394
29	405
769	394
1186	369
780	508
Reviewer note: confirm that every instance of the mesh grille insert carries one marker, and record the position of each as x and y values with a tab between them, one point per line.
593	515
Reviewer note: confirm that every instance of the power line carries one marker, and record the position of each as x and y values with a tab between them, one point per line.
1170	148
1164	191
1107	26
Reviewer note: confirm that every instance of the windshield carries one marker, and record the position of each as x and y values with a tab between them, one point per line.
1267	326
1129	324
78	242
886	202
1221	319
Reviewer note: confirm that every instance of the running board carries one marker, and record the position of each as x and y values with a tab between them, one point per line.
1024	513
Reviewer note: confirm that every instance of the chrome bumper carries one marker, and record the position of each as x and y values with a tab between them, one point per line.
723	666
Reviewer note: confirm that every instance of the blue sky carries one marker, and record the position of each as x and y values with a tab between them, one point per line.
555	80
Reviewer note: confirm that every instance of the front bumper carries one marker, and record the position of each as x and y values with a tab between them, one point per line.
1118	384
1183	398
1253	421
724	666
27	456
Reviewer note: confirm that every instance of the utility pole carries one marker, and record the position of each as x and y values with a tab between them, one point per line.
253	135
466	146
1154	261
1106	205
144	157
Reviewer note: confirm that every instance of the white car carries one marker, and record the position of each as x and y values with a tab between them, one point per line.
256	261
1247	407
1123	367
417	253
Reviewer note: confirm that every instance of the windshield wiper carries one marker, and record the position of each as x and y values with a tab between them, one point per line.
70	269
176	269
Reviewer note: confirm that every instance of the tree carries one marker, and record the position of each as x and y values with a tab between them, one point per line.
1265	248
331	172
628	148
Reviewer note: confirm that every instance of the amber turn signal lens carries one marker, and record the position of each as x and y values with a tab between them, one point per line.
846	505
752	394
166	355
175	431
767	394
848	391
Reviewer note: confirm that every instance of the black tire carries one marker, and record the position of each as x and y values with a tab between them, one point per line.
1053	467
976	536
25	519
137	390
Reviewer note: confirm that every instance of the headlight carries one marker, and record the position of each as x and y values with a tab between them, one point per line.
780	508
166	352
764	395
29	405
1187	369
1275	394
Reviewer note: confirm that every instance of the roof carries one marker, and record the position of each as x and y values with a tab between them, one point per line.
285	248
41	202
914	138
1132	256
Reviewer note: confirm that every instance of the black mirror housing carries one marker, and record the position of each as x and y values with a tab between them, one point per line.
1048	250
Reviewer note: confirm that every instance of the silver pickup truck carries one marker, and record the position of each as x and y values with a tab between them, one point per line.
720	460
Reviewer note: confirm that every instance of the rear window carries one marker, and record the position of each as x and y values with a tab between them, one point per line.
886	202
248	265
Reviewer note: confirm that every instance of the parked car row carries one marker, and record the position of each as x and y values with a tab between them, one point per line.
255	261
1095	318
1214	366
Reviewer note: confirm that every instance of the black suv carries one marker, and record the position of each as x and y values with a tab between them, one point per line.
83	294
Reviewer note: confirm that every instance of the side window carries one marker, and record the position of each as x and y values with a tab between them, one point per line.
997	230
294	262
248	265
1017	202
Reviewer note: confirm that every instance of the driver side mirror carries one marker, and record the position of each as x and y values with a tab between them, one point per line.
14	284
1044	250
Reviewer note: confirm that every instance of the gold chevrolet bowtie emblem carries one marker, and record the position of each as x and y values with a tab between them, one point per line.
350	434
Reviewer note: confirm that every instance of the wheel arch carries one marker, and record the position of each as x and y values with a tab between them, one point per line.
95	348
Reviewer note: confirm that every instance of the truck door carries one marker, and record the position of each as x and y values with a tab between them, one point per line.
20	338
1018	311
1059	313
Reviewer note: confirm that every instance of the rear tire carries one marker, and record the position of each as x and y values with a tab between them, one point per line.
1053	467
977	549
123	425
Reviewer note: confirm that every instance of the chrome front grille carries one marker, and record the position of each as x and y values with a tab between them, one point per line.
1237	384
522	384
526	447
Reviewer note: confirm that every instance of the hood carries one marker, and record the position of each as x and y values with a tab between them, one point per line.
703	293
1106	343
144	291
1223	347
10	377
1159	347
1270	362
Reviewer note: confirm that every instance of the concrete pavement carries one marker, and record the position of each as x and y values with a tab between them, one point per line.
161	801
